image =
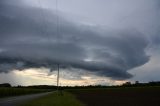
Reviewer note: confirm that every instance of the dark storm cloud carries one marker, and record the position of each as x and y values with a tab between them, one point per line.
28	38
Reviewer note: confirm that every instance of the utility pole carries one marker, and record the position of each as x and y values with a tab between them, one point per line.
58	78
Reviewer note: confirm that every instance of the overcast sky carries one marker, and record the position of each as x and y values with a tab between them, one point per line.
95	42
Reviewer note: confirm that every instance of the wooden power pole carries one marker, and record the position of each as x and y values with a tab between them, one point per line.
58	78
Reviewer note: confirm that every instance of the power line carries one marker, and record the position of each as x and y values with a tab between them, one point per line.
57	21
57	31
44	26
58	78
58	35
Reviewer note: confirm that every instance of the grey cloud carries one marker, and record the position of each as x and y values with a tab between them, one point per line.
29	39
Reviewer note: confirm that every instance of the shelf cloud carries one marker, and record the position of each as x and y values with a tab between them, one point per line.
29	39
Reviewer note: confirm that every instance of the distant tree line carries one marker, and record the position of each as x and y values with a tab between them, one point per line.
137	84
5	85
126	84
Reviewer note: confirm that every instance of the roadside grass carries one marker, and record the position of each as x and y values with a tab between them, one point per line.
6	92
55	99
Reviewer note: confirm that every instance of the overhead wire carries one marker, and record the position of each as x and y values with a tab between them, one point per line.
44	24
57	21
58	38
44	31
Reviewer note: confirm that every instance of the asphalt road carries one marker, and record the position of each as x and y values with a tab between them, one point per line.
14	101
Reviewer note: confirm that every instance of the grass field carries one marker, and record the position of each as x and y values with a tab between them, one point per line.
55	99
120	96
5	92
138	96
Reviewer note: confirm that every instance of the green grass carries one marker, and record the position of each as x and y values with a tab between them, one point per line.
6	92
55	99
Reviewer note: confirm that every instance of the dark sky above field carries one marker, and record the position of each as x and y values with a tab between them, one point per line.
115	39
